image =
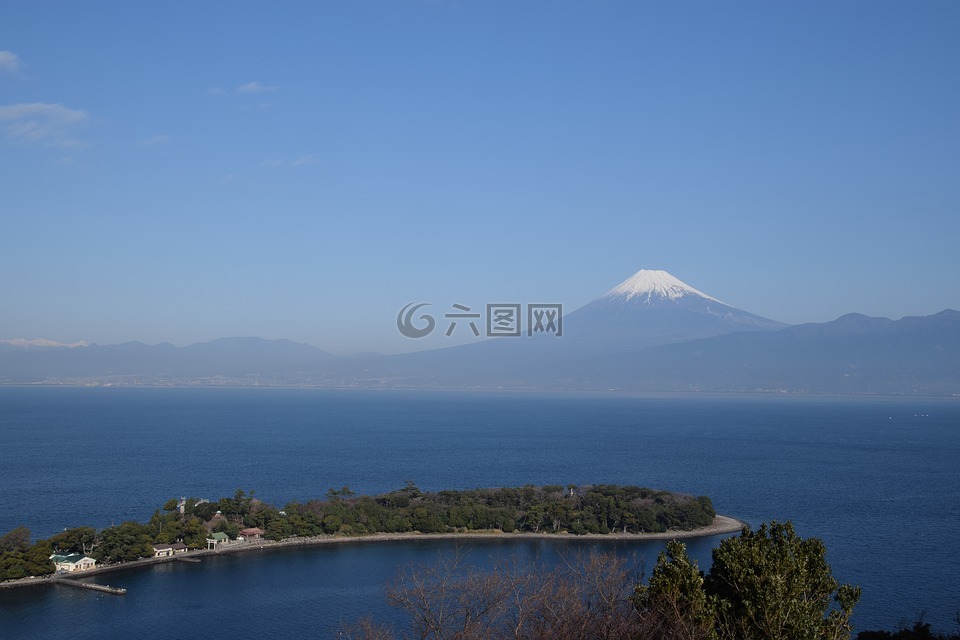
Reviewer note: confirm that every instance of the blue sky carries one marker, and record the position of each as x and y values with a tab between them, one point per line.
185	171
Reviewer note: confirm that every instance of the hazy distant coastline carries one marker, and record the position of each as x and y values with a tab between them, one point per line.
853	355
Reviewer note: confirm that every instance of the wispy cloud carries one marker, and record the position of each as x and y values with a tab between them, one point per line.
304	159
50	125
256	87
299	162
9	61
154	140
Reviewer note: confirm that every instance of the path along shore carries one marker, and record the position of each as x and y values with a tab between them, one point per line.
721	525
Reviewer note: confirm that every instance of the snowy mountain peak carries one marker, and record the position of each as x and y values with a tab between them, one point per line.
648	285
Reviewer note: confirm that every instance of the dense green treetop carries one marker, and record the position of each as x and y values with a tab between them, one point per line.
550	509
767	584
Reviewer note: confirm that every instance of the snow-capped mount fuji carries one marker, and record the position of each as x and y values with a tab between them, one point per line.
651	308
654	285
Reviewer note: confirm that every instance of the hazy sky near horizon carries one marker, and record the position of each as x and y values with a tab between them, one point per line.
184	171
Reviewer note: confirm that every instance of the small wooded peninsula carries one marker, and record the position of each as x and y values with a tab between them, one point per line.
197	523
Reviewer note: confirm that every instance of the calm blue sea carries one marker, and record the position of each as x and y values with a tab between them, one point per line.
877	479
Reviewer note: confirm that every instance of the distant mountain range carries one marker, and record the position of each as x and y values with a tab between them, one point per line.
854	354
650	333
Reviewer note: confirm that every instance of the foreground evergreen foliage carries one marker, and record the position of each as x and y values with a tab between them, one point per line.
767	584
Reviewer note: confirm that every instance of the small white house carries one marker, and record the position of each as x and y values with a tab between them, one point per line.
73	562
167	550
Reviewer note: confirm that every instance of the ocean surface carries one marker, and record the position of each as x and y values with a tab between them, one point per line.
877	479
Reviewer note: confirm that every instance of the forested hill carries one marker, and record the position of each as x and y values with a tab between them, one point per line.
577	510
553	508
